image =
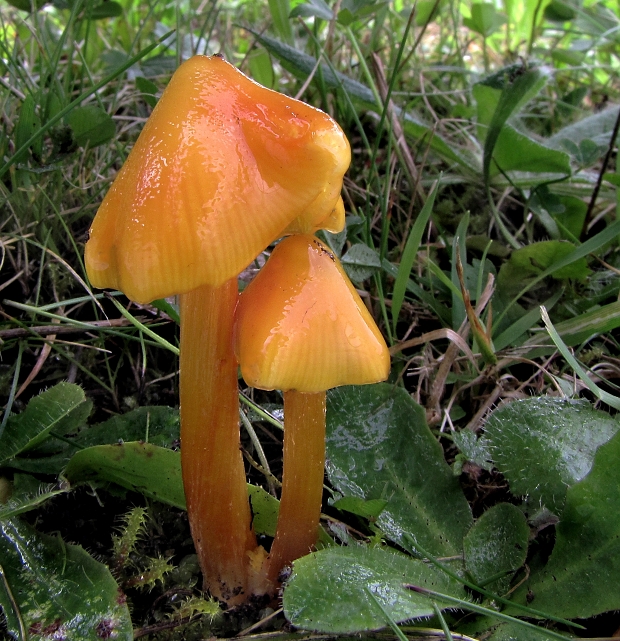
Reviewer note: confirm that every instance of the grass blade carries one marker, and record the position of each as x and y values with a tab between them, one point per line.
479	609
510	335
85	94
606	397
408	257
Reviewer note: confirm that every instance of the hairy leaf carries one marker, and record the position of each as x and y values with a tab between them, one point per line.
355	588
379	447
545	445
57	589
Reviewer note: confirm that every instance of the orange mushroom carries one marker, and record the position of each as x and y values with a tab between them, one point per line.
301	327
221	169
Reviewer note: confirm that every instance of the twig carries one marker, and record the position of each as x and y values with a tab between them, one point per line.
259	624
46	330
610	149
158	627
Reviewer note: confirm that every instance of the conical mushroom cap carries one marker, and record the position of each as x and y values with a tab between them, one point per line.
221	168
300	325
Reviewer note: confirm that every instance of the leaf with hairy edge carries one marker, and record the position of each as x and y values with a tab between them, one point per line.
157	424
361	262
379	447
351	589
496	547
581	578
516	151
58	589
545	445
597	128
62	409
516	632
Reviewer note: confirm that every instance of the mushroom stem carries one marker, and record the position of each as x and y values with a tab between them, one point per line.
302	480
212	464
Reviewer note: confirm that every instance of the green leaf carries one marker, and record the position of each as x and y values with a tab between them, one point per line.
361	262
596	128
485	19
337	590
516	151
379	447
265	509
365	509
145	85
172	310
156	472
567	56
61	409
261	67
424	12
600	393
442	312
545	445
280	10
409	255
58	589
24	503
558	11
537	258
106	9
496	545
51	122
513	97
157	424
459	251
27	125
27	5
486	97
149	90
575	331
141	467
612	178
91	126
581	578
474	449
314	9
516	632
352	10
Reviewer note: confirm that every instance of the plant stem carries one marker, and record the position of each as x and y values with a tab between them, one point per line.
212	465
302	480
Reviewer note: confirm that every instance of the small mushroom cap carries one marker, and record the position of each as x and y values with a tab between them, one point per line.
300	325
222	167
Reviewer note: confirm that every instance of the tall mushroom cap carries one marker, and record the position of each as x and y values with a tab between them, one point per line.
300	325
222	167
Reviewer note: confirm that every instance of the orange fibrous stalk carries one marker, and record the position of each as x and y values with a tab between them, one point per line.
212	465
302	480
